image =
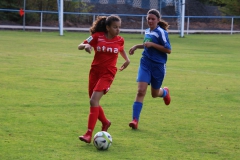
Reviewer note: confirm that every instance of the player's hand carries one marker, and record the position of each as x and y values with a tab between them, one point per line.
88	48
131	51
125	64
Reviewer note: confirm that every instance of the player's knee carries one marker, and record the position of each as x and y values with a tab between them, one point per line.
93	102
141	93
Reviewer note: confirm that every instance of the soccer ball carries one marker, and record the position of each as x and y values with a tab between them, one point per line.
102	140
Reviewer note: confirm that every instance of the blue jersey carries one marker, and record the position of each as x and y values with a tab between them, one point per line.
158	36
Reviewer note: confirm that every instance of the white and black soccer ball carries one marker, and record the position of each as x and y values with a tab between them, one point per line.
102	140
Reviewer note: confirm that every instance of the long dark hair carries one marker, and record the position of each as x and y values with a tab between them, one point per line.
163	24
99	25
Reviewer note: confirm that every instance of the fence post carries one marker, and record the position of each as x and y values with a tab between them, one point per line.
61	15
187	25
93	18
41	21
142	24
232	26
24	17
182	18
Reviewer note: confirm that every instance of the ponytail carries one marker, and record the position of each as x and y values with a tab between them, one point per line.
163	24
99	25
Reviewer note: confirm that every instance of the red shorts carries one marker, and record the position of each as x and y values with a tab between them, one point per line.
100	79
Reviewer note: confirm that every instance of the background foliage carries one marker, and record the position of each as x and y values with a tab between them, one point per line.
229	7
40	5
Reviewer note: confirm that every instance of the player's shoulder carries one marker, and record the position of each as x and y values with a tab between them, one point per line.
147	31
161	30
119	38
98	34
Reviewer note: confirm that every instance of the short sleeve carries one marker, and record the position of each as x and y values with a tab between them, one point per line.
121	47
163	39
167	43
92	40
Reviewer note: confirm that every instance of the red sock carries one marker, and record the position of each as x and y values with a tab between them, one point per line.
102	116
92	119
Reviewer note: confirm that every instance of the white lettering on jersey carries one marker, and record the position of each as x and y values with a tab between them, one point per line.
89	39
107	49
115	50
98	49
103	48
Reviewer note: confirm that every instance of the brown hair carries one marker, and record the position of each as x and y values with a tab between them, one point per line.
163	24
99	25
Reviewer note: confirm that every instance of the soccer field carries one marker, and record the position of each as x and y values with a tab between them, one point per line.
44	102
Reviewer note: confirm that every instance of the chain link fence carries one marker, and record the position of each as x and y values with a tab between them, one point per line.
132	13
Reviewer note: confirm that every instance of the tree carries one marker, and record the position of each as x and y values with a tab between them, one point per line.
228	7
42	5
10	4
232	7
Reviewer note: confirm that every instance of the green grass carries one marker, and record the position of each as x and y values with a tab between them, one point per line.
44	100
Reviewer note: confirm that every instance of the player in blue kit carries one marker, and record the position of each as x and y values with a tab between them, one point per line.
152	67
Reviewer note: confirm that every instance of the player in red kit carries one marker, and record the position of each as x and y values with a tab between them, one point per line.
107	44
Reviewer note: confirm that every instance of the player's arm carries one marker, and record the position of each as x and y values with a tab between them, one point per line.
87	47
138	46
89	43
157	46
127	60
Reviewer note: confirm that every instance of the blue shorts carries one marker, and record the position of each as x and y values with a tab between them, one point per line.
151	72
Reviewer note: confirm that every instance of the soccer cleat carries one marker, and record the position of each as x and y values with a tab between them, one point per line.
106	126
134	124
167	98
86	138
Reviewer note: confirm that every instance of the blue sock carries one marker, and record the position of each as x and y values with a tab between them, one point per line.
164	93
137	107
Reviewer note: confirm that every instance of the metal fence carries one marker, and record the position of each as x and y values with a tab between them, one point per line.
74	21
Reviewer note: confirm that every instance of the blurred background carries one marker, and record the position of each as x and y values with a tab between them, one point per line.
79	14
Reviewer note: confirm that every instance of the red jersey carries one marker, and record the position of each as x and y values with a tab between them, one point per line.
106	50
